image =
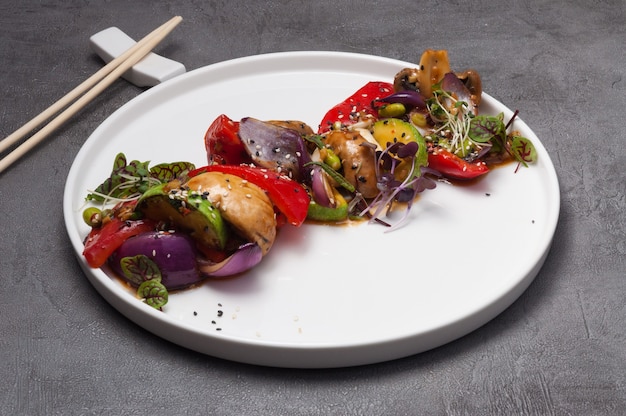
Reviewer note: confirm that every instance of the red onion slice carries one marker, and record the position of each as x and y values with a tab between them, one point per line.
319	186
246	257
406	97
452	84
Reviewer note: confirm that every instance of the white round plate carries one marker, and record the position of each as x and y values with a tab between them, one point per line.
326	296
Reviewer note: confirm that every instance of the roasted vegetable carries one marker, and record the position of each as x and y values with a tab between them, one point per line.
173	252
274	147
241	203
186	209
288	196
358	158
104	240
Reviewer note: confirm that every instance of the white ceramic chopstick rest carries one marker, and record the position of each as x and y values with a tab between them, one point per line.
151	70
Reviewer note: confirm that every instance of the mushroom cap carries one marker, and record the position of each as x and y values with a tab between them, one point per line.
244	205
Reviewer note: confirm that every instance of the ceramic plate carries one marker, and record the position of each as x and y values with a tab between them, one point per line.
326	296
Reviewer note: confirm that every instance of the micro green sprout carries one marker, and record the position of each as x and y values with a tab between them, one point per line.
392	189
455	122
129	180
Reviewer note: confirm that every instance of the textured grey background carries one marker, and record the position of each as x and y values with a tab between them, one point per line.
559	350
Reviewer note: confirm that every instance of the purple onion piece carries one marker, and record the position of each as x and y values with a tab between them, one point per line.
406	97
275	147
246	257
174	254
452	84
319	187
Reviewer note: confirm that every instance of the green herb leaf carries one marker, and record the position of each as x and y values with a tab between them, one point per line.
460	104
153	293
166	172
139	169
136	177
484	128
523	150
140	269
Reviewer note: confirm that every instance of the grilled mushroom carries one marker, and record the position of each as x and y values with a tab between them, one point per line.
358	159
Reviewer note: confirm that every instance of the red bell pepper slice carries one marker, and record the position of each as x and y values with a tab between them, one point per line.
222	143
359	102
288	196
103	241
453	167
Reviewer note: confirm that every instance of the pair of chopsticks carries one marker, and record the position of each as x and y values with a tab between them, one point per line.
87	91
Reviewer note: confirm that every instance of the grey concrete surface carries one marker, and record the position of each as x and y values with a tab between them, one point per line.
560	349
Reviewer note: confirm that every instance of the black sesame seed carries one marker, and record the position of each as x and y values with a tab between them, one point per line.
220	313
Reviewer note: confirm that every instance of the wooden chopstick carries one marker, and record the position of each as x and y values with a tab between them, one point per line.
89	89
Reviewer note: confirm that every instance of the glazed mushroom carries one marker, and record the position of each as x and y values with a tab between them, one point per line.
434	64
406	80
242	204
358	159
